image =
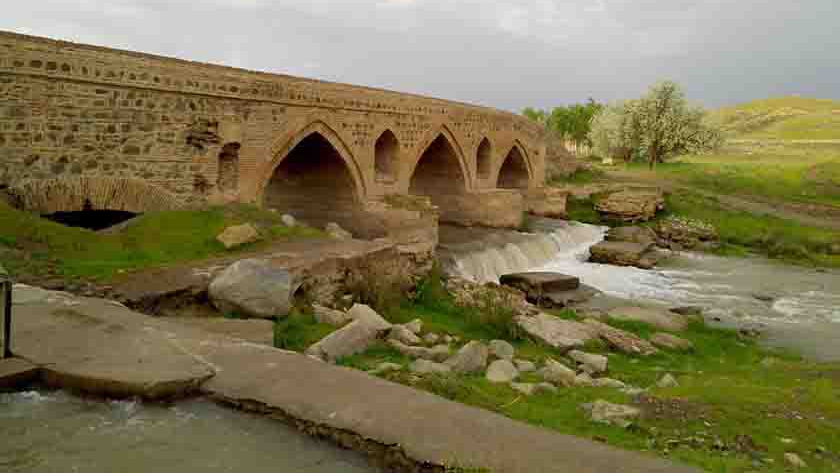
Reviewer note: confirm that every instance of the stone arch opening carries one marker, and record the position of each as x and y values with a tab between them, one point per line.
313	184
228	177
438	172
90	218
514	171
386	154
484	158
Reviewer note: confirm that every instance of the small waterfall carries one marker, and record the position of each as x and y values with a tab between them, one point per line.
525	251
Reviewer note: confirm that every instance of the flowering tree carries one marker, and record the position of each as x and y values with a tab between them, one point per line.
660	124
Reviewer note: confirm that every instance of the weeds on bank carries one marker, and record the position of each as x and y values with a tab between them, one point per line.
299	331
39	247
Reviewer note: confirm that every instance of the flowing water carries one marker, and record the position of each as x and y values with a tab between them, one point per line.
753	289
48	432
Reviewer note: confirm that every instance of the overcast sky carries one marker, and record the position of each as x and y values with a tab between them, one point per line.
503	53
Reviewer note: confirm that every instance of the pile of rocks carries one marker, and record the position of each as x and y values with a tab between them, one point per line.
679	233
630	205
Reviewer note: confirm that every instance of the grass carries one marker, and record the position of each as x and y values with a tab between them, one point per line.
788	118
741	232
731	392
38	247
299	330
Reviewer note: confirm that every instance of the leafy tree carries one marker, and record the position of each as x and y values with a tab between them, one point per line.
569	123
660	124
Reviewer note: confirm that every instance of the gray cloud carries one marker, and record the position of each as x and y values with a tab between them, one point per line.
503	53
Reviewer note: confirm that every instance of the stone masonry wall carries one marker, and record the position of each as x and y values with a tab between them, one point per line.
70	111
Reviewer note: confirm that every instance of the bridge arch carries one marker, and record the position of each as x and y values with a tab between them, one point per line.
457	162
314	177
75	194
515	170
484	159
386	156
440	169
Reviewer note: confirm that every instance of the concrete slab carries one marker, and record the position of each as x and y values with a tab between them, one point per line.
102	347
15	372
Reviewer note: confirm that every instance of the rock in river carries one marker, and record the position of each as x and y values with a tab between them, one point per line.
254	288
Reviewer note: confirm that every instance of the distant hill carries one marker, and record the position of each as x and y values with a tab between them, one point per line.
787	118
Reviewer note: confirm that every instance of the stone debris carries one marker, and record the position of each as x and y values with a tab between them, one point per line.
660	318
427	367
471	358
608	383
621	340
334	230
667	381
501	371
795	460
431	338
614	414
288	220
640	235
590	363
404	335
671	342
524	366
529	389
355	337
556	332
557	373
238	235
622	253
325	315
437	353
502	349
583	379
383	368
254	288
536	284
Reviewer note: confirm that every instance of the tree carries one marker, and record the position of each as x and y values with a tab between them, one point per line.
660	124
567	123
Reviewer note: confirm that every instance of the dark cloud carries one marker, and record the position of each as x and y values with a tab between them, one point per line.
506	53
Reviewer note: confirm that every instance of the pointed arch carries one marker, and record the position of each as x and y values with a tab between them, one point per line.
314	178
514	171
386	155
484	159
446	133
438	171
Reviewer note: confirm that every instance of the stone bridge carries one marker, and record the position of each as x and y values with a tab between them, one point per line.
116	130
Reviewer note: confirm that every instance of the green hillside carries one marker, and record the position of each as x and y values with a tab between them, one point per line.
785	118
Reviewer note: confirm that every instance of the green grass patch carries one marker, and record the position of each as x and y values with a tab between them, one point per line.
34	245
298	331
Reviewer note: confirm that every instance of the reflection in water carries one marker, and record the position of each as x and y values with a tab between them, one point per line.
56	432
726	286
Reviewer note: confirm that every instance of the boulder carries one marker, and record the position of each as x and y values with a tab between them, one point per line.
238	235
288	220
614	414
608	383
404	335
795	460
621	340
681	233
562	299
325	315
659	318
362	312
631	206
524	366
427	367
583	379
355	337
502	349
671	342
641	235
438	353
589	362
667	381
335	231
556	332
471	358
537	284
501	371
253	287
534	388
557	373
622	253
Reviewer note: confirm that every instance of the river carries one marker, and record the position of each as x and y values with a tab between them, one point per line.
55	432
